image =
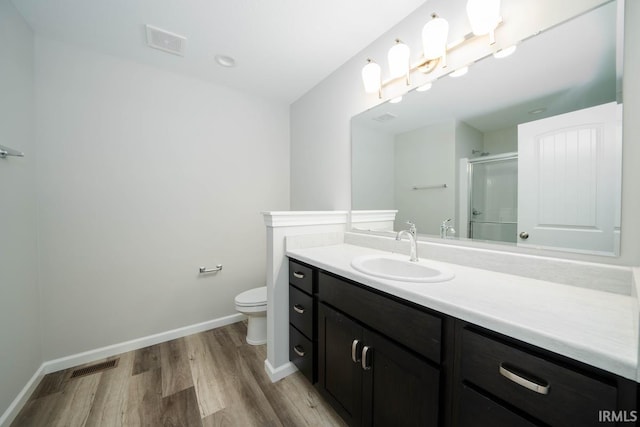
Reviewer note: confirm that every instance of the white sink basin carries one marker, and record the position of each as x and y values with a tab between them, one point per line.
398	267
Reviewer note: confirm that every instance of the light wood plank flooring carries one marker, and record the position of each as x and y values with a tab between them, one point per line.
213	378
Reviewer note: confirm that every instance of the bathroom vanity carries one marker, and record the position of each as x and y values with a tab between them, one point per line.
483	349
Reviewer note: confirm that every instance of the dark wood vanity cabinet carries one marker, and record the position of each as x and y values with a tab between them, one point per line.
302	318
505	382
369	377
381	361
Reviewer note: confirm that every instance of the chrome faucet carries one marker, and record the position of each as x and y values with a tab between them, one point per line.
445	229
413	240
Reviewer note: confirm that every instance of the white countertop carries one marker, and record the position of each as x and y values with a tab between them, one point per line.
594	327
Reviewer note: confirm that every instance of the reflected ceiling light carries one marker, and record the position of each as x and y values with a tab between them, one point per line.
371	77
460	72
395	100
434	39
398	57
484	16
503	53
424	87
537	111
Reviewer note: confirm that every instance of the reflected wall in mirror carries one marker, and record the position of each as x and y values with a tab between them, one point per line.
521	150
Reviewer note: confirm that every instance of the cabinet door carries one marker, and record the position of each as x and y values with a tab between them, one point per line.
399	388
339	377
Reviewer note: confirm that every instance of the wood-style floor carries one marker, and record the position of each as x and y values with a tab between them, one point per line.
213	378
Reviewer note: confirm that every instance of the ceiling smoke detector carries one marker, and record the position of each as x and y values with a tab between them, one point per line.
165	41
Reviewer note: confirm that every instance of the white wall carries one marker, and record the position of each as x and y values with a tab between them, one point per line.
468	139
425	157
501	141
20	352
143	176
320	143
372	169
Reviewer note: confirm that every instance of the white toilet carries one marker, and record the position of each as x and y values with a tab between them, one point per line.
253	304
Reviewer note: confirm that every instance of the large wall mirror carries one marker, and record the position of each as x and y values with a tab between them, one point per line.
521	151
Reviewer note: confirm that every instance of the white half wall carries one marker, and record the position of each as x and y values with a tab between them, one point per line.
322	228
320	120
143	177
20	351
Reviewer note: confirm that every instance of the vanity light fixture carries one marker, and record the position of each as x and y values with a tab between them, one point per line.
398	57
484	16
460	72
371	77
434	39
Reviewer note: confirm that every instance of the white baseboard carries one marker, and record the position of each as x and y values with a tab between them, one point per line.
112	350
100	353
276	374
12	411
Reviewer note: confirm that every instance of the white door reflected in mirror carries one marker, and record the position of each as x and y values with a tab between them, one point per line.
568	188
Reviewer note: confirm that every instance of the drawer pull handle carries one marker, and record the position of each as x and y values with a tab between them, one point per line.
299	309
538	388
298	275
365	358
299	350
355	353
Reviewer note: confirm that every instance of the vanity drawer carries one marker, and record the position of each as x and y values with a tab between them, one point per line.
301	276
477	410
407	325
301	353
550	392
301	311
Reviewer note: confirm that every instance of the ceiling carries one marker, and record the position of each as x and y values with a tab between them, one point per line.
554	70
282	48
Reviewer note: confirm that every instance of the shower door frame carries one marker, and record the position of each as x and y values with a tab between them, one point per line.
470	163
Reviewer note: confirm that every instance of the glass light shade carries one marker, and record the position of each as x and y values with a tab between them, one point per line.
434	38
459	72
395	100
503	53
425	87
484	15
371	77
398	57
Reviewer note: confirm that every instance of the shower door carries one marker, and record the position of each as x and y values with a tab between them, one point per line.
493	198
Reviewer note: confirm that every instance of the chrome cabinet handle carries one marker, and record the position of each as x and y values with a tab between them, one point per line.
365	353
355	346
298	275
528	384
298	309
524	235
299	350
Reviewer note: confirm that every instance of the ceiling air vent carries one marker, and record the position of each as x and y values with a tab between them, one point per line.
166	41
385	117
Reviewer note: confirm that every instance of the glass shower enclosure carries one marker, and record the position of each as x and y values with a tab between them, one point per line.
493	198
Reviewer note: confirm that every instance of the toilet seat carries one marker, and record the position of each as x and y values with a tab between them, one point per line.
252	298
